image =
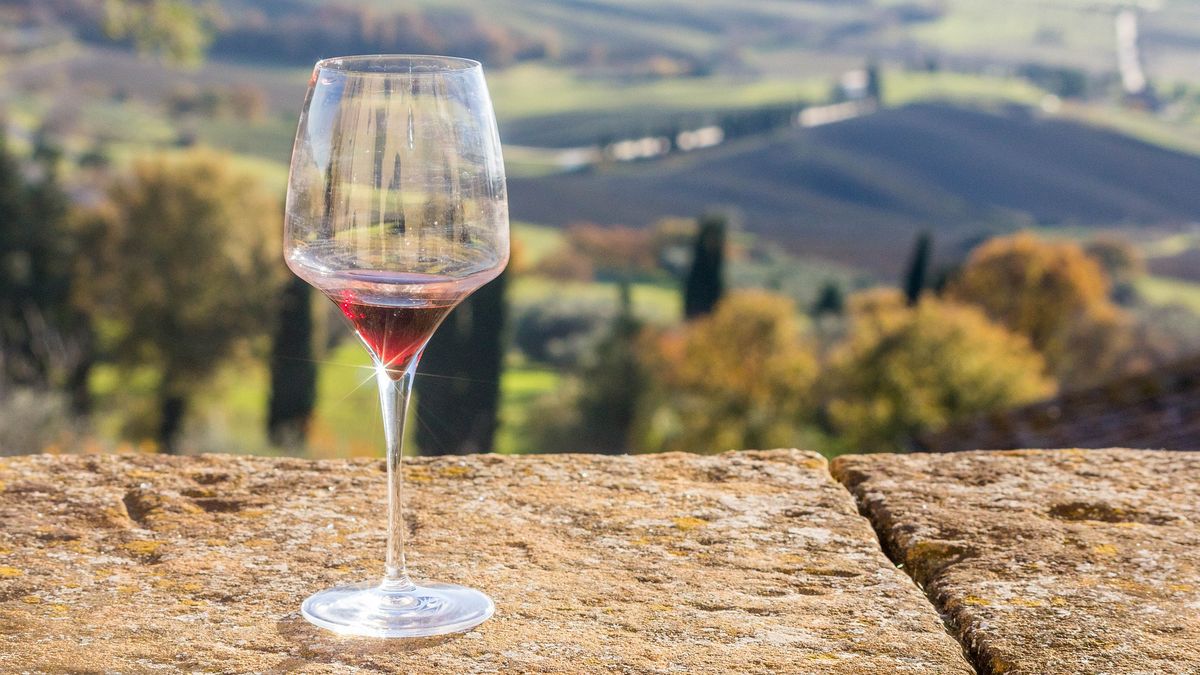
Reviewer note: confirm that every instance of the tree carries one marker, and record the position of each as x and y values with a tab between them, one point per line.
1052	293
741	377
706	279
1121	262
190	269
611	384
918	268
248	103
293	367
874	82
903	370
616	250
459	394
174	30
830	300
45	334
17	283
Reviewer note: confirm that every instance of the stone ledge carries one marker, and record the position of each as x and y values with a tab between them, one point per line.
1048	562
746	562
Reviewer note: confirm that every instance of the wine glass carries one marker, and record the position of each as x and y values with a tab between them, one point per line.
397	211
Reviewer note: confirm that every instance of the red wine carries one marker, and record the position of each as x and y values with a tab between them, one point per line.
396	314
393	334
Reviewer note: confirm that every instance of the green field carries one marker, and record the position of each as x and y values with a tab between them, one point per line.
536	241
536	89
269	139
521	386
655	303
902	87
1183	136
230	413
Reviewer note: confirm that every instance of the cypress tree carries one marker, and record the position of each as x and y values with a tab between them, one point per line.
830	300
459	397
293	367
918	268
705	281
874	82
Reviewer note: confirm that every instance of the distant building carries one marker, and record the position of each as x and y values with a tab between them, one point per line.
854	84
1160	409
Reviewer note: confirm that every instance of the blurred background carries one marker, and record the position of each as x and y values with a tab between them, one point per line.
848	226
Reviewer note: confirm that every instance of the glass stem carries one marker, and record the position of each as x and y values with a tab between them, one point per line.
394	393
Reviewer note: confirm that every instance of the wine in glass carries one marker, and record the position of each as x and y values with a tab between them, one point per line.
397	211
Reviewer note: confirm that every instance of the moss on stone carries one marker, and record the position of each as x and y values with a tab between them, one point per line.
688	523
142	547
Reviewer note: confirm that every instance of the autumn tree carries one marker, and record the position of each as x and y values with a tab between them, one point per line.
615	249
740	377
248	103
190	269
1055	295
566	265
903	370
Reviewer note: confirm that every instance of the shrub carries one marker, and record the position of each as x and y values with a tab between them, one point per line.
741	377
904	370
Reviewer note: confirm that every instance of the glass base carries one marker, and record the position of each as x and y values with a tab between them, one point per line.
374	610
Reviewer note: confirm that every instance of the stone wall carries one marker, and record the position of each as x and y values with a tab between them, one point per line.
756	562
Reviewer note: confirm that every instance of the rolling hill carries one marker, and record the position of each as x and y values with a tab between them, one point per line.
858	191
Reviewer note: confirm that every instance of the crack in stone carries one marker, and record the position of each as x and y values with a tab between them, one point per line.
847	482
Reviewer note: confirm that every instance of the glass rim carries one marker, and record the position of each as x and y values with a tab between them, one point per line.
398	65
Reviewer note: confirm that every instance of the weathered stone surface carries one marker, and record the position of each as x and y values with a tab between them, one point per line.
1046	562
752	562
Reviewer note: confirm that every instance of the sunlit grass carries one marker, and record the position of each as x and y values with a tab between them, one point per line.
901	87
347	421
1142	125
129	121
520	387
536	241
537	89
1165	291
269	139
655	303
1171	245
1062	32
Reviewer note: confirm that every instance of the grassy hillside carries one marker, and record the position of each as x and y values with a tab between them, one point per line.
858	191
787	37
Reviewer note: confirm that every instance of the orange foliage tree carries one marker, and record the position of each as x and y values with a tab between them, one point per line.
613	248
741	377
903	370
1055	295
